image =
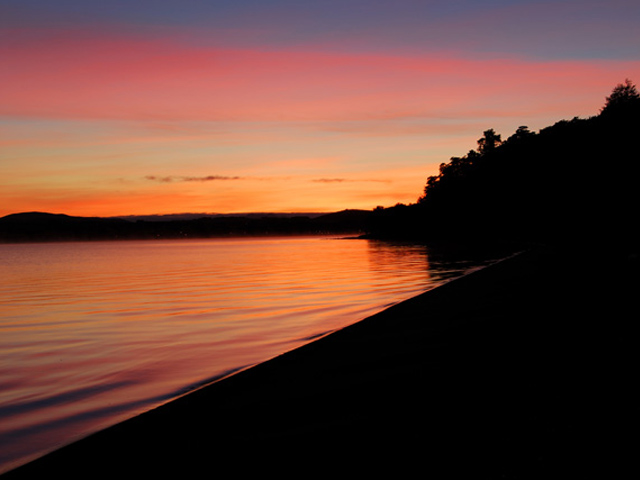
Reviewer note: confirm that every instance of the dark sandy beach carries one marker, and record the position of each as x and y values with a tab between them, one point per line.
524	369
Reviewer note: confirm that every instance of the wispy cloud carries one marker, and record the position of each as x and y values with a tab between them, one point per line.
342	180
175	178
214	178
329	180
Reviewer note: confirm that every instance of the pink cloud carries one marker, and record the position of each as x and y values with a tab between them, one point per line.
79	75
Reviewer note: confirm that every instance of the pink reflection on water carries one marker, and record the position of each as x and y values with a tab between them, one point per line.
92	333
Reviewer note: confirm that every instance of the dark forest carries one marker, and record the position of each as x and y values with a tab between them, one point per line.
574	181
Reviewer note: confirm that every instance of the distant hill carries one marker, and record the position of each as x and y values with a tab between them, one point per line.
196	216
47	227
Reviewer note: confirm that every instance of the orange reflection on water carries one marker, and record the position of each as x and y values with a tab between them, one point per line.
94	332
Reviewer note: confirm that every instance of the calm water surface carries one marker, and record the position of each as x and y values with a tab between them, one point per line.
93	333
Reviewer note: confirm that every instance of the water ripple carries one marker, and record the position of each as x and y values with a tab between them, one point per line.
91	333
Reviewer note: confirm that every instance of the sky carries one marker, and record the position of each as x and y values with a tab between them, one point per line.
228	106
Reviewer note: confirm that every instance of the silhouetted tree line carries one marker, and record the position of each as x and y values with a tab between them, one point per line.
575	181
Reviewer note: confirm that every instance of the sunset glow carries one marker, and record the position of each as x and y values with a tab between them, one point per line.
212	107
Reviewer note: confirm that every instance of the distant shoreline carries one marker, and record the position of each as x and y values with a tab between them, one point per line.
46	227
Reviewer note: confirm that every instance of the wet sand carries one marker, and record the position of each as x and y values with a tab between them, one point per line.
524	369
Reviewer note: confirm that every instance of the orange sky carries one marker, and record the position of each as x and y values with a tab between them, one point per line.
101	118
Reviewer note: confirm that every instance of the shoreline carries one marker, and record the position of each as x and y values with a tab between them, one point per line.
493	372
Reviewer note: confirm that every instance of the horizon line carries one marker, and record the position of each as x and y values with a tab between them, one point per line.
203	214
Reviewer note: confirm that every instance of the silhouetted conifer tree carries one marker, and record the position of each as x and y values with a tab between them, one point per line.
489	141
623	99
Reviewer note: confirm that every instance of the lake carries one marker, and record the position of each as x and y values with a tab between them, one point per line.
94	333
